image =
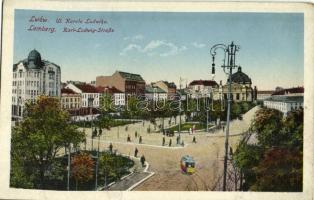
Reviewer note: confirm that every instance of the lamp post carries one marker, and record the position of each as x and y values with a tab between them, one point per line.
96	178
90	104
229	52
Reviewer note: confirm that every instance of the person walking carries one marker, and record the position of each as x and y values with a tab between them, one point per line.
110	148
170	142
163	141
135	152
223	128
128	138
143	160
194	139
178	139
135	134
140	139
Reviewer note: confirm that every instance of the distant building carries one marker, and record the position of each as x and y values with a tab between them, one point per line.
155	93
70	99
89	94
33	77
241	88
284	103
128	83
169	87
296	91
264	94
201	88
117	95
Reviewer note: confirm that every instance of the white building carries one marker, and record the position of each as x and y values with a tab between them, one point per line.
201	88
284	103
33	77
155	93
118	97
89	94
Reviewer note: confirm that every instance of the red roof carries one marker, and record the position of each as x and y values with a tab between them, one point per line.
110	90
204	82
87	88
67	91
289	91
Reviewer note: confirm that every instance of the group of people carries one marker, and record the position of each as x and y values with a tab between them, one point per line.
140	139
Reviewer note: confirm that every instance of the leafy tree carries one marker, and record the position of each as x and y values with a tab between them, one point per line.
36	141
82	168
267	124
280	170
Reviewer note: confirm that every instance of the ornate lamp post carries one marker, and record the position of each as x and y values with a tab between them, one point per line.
229	52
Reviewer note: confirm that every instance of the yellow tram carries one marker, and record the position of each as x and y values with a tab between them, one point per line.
187	164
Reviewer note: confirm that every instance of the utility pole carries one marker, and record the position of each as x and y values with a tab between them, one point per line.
229	52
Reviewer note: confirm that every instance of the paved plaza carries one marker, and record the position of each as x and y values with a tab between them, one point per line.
208	152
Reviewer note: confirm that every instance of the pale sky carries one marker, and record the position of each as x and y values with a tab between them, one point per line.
165	46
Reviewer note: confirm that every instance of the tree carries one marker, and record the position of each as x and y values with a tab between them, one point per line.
280	170
82	166
36	141
267	124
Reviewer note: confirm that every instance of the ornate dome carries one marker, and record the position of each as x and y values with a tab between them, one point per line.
240	77
34	59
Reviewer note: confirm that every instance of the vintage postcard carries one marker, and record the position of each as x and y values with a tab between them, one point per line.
174	100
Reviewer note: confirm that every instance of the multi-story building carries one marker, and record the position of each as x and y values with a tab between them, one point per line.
264	94
155	93
70	99
201	88
117	96
128	83
241	88
169	87
89	94
284	103
33	77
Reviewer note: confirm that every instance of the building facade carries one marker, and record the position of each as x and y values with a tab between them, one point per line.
70	99
117	96
33	77
155	93
264	94
169	87
201	88
284	103
241	88
89	94
128	83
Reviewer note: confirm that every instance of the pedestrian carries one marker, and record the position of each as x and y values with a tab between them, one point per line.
135	134
110	148
223	128
135	152
126	128
170	142
190	131
163	141
178	139
140	140
182	143
128	138
143	123
143	160
194	139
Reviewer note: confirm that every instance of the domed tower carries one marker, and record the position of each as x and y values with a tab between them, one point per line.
34	59
241	78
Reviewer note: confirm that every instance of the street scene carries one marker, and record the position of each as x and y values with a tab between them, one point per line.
122	101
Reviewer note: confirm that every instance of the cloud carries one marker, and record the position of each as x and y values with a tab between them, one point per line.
155	47
198	45
134	38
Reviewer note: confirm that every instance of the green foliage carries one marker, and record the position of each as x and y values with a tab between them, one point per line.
275	164
280	170
39	137
82	168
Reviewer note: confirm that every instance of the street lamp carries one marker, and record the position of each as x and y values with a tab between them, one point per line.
229	52
90	104
99	134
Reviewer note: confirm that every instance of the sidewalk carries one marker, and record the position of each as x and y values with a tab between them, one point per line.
129	182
